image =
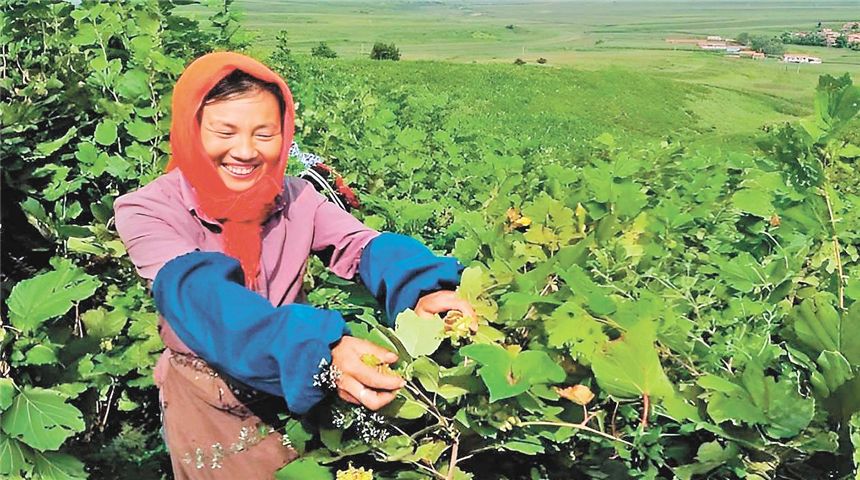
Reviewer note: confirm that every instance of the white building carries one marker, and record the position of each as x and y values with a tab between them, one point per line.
800	58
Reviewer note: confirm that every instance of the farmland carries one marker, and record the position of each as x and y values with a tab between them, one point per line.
725	97
661	245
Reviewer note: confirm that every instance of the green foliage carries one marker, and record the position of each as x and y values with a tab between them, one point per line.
85	119
384	51
707	299
323	51
674	283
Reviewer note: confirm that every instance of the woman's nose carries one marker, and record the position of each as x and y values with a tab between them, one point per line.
244	149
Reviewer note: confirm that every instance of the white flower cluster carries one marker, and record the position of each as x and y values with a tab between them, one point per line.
328	376
369	426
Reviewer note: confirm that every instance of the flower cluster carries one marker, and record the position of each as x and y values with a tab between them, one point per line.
353	473
370	426
328	376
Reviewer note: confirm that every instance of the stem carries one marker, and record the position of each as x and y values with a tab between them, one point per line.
543	292
612	423
578	427
429	403
453	463
477	451
426	430
108	404
836	250
646	406
430	470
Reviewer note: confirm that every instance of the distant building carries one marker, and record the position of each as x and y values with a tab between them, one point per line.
751	54
829	36
714	38
850	26
800	58
733	49
853	38
711	45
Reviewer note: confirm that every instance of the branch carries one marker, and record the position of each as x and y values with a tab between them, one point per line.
836	249
453	463
577	426
646	406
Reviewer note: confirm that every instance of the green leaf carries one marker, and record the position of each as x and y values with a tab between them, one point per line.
106	132
297	434
754	201
597	300
41	418
101	324
49	295
571	326
819	327
133	85
743	273
40	355
834	371
630	367
47	148
7	393
57	466
86	35
15	457
431	451
419	336
854	425
774	404
142	131
507	375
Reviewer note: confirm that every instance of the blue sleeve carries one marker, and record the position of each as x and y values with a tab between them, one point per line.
277	350
398	270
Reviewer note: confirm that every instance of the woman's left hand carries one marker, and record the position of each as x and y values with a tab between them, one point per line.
445	301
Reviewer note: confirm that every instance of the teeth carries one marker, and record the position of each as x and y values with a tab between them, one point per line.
237	170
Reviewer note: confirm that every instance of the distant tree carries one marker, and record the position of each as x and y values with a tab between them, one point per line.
768	45
541	60
281	58
773	47
383	51
743	38
519	61
819	26
324	51
841	41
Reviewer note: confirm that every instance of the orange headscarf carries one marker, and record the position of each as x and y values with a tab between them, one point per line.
241	213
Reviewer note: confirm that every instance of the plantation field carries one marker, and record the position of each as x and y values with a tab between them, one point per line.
727	98
662	247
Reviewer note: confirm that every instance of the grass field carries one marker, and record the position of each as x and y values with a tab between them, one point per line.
622	42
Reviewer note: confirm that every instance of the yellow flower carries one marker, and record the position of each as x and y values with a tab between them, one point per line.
353	473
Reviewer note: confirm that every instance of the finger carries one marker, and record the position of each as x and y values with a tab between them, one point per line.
372	378
347	397
368	397
444	301
386	356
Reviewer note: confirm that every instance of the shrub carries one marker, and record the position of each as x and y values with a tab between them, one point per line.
519	61
383	51
323	51
541	60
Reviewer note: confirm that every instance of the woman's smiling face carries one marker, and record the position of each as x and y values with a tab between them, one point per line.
243	137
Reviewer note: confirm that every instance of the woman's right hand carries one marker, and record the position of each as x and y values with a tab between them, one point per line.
360	383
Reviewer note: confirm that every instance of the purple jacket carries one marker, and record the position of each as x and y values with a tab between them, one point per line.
162	221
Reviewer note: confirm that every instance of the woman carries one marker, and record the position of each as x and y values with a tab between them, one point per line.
225	238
